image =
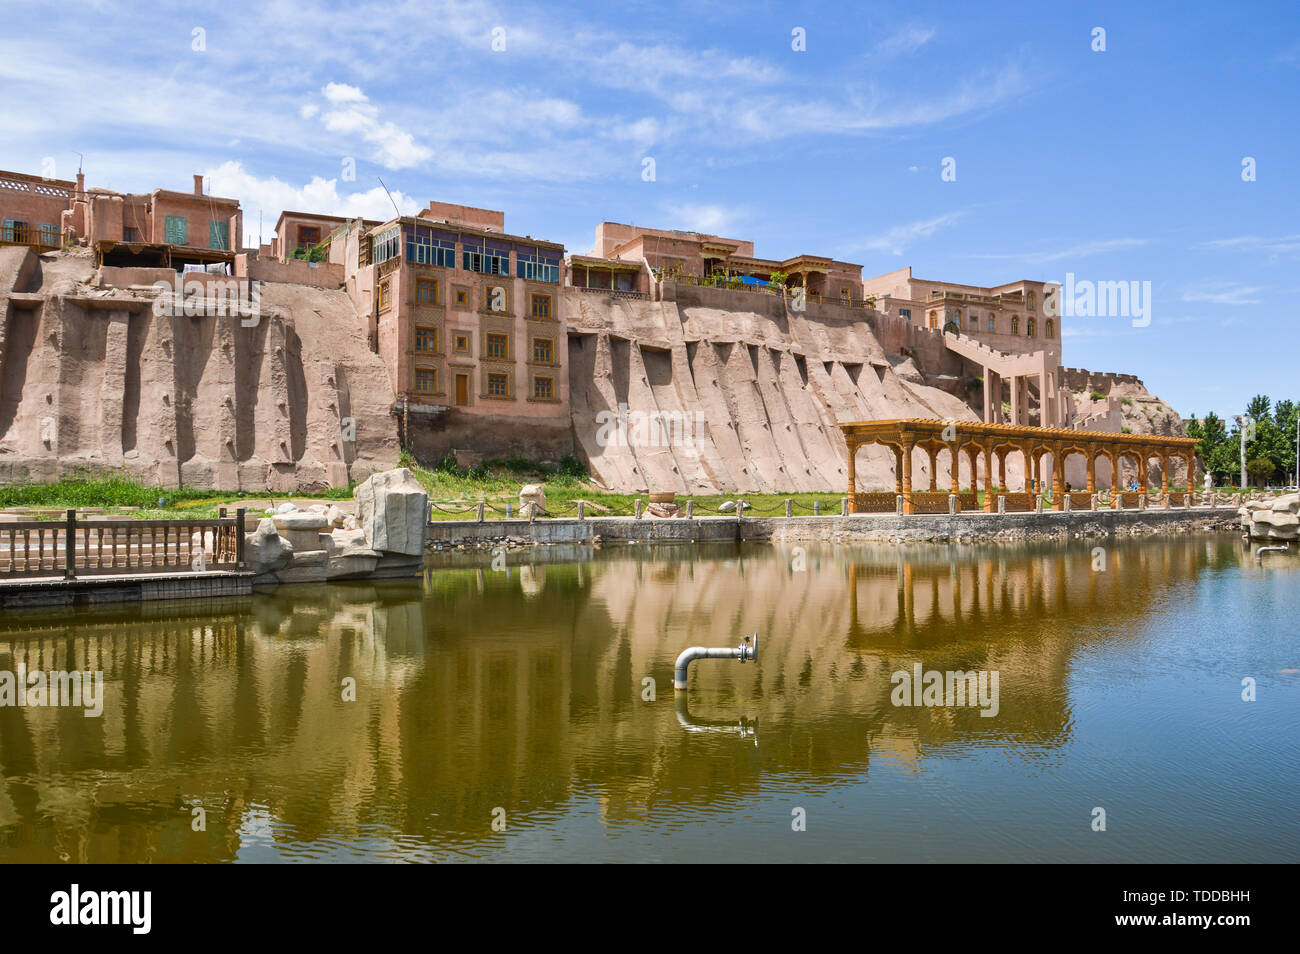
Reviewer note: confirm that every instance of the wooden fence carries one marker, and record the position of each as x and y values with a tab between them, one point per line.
40	548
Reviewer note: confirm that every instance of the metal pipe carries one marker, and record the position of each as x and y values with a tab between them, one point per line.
742	652
1259	554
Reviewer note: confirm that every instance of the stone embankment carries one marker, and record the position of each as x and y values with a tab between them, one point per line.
889	528
1272	519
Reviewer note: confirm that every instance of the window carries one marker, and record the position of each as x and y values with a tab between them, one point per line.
844	294
934	319
49	234
308	235
174	229
905	313
385	296
487	261
14	230
426	291
426	340
129	234
538	268
993	326
541	306
1032	327
974	321
219	235
543	389
1015	324
498	347
462	344
1029	303
498	385
422	248
462	298
426	380
543	350
496	298
1050	328
387	244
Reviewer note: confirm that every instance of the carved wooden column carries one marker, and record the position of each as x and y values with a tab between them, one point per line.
1092	470
1113	457
1058	478
853	477
933	453
990	491
908	445
1164	477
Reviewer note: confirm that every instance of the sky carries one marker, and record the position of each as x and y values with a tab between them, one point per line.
978	143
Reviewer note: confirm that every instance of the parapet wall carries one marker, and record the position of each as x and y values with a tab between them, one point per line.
1081	379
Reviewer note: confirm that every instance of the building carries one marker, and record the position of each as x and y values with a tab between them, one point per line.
469	320
298	232
701	257
142	229
1015	318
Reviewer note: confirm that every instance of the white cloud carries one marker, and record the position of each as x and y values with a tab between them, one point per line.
907	40
1082	250
711	219
272	196
1224	293
897	238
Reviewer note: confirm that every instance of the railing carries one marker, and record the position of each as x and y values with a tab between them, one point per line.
787	291
31	235
875	503
1018	503
615	292
929	502
968	502
1129	499
1080	500
40	548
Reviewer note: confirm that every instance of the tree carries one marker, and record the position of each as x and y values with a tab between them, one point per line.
1260	470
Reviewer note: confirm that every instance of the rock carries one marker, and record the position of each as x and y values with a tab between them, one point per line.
350	522
534	495
265	551
301	520
287	507
392	509
663	510
1288	503
727	506
318	508
335	516
348	554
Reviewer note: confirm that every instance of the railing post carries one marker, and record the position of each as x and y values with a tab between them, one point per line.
239	538
844	506
636	509
480	511
1002	503
952	504
817	508
582	510
690	510
898	505
789	507
70	545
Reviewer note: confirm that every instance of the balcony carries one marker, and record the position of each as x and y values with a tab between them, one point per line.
33	236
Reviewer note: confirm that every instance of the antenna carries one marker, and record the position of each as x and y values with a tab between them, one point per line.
390	198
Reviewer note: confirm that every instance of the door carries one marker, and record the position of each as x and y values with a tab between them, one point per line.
462	389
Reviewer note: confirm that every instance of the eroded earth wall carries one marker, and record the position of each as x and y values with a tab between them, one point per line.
91	378
731	392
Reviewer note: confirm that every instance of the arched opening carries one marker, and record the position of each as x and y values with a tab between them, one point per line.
932	320
1015	324
1049	328
993	323
1032	327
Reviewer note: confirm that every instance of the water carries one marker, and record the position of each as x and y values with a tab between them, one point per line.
517	697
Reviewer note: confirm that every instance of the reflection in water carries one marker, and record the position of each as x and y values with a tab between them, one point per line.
523	690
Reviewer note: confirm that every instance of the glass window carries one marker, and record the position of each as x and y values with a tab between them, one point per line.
992	323
1050	328
486	261
426	340
543	389
497	346
385	296
387	244
426	380
541	306
422	248
498	385
1015	324
538	268
426	291
462	344
542	350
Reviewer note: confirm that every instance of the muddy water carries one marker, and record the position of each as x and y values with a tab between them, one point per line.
528	714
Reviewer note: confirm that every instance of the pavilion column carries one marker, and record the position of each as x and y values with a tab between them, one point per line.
954	455
853	477
1002	469
1033	472
898	468
1142	473
907	474
1092	471
933	454
1191	472
1058	479
1164	476
1114	478
990	489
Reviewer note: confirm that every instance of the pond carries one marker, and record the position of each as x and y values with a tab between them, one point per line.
528	713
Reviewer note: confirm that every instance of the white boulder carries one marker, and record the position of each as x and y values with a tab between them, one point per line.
392	509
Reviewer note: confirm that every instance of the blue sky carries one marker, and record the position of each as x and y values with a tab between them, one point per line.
1117	165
